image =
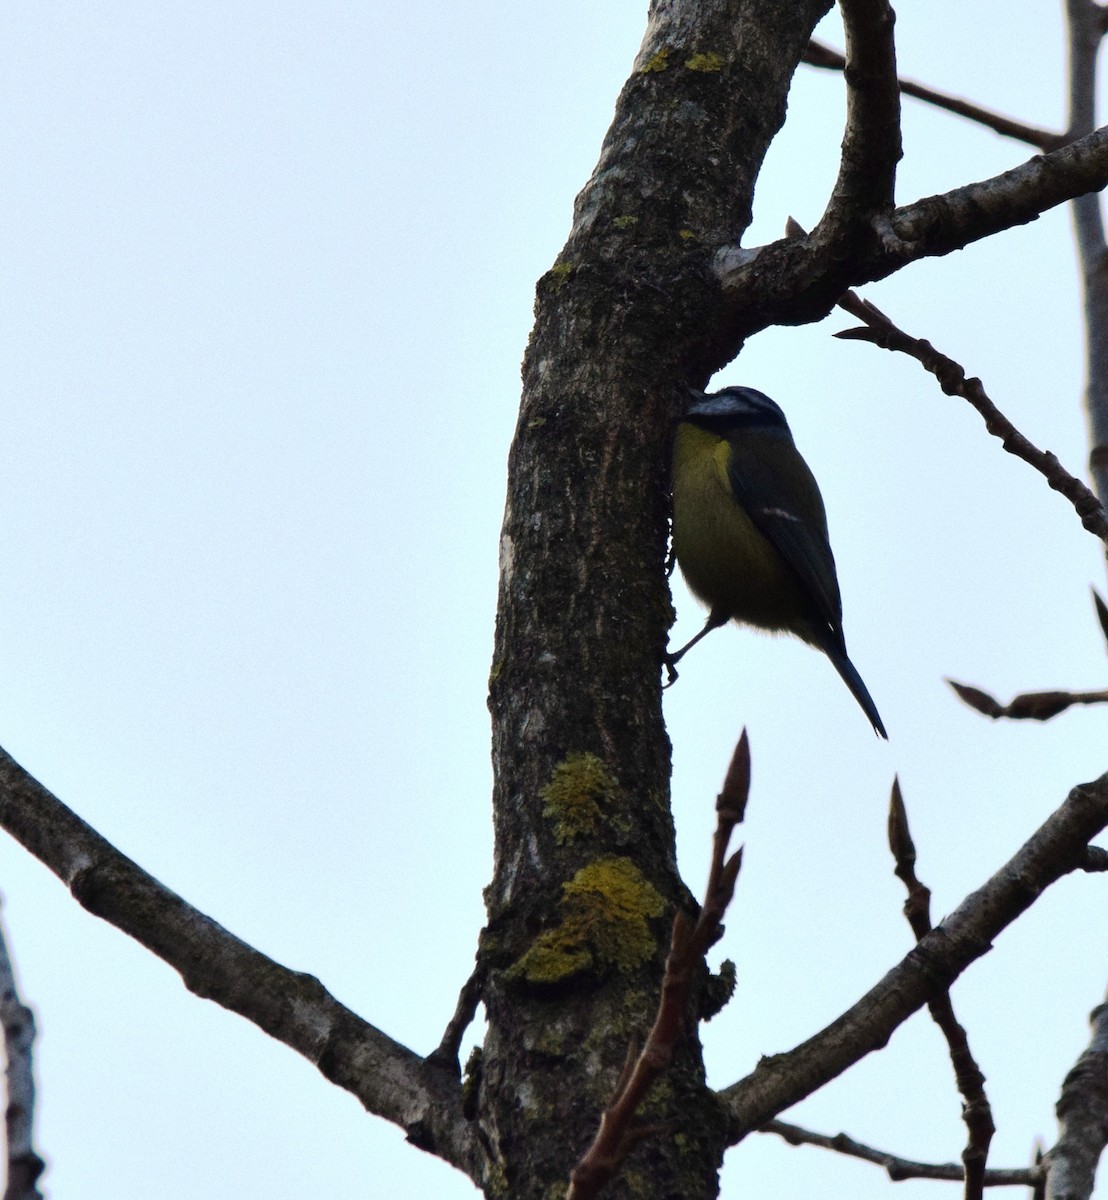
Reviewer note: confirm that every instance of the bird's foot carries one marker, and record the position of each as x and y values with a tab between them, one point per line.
670	664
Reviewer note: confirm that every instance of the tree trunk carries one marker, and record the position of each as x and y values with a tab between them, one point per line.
585	880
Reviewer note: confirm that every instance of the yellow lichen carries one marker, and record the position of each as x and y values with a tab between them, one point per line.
607	907
560	272
614	901
704	62
625	222
576	796
687	234
553	956
656	62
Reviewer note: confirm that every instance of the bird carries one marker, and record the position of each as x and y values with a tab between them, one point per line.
750	530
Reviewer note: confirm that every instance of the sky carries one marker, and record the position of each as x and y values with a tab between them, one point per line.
269	272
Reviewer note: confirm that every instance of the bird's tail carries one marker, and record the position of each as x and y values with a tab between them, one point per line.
857	688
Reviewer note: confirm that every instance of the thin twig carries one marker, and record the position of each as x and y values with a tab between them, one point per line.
819	55
1038	1188
881	331
445	1053
899	1169
1033	706
616	1137
1028	706
24	1164
1058	847
968	1076
1101	614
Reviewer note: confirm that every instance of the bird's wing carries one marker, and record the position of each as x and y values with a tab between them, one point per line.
773	498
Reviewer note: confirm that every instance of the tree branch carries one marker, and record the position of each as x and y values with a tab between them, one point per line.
1027	706
940	224
24	1164
292	1007
797	280
1101	613
1084	31
819	55
1083	1118
976	1111
1054	850
899	1169
871	144
445	1054
952	379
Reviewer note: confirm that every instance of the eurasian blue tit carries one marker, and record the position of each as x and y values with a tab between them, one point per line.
750	531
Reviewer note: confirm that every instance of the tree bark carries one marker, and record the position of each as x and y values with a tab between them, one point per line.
1085	30
585	880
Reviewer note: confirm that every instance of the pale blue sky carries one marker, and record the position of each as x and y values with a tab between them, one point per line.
268	278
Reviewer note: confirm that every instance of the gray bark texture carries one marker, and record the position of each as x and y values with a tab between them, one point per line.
1085	29
583	614
1082	1118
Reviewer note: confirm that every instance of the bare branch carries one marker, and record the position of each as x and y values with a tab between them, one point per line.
24	1164
1083	1118
899	1169
1101	613
940	224
295	1008
1038	1188
970	1081
445	1054
952	379
796	280
1028	706
1084	31
871	144
1055	849
1033	706
689	942
819	55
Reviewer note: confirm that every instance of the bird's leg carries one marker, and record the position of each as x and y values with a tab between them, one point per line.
670	661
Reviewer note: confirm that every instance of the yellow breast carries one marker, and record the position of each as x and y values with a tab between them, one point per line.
726	561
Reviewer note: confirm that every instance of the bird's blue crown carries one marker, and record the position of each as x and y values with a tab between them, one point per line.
741	403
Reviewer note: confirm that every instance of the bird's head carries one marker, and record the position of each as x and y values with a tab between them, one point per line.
739	406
